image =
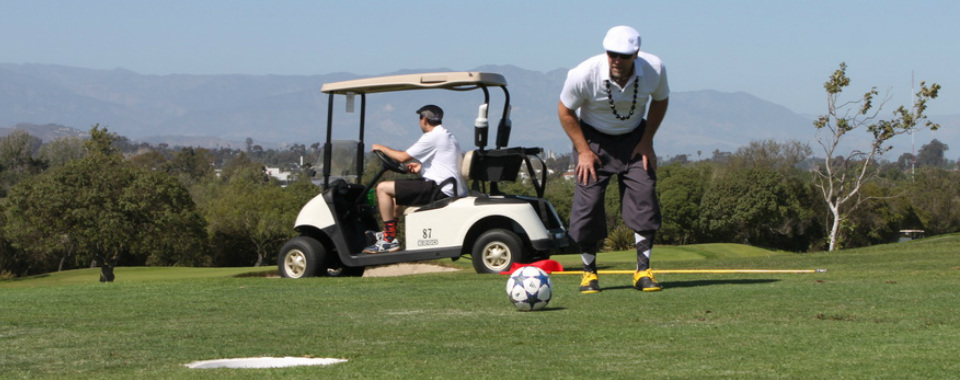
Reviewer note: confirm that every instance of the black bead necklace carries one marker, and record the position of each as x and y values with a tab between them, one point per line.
633	106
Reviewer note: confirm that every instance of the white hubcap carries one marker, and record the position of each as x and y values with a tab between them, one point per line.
496	255
295	263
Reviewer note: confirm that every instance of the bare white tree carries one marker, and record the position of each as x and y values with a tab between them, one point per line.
841	179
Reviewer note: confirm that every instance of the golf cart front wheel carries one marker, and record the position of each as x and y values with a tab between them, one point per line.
300	257
304	256
496	250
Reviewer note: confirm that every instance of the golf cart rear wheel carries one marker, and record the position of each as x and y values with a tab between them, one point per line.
496	250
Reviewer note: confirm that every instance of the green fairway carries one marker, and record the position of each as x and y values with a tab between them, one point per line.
136	274
627	259
886	312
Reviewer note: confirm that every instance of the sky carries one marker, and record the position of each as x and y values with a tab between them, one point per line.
780	51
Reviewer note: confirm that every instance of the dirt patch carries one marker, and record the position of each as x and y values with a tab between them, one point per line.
405	269
394	270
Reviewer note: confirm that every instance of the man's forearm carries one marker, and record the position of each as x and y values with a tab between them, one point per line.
658	110
398	155
571	125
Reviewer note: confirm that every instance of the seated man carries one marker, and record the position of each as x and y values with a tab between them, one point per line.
439	157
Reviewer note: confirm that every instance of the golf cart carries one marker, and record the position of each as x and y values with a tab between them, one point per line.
495	229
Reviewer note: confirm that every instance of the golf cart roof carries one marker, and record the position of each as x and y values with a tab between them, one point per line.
448	80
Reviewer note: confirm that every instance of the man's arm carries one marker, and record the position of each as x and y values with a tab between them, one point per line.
587	161
399	155
658	109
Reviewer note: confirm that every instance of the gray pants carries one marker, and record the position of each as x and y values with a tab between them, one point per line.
638	198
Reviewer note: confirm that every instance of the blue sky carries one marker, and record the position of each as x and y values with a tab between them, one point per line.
781	51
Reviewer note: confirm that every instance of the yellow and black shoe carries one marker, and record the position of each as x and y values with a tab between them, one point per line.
643	280
589	284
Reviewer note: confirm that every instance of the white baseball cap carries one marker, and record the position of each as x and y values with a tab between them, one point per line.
622	39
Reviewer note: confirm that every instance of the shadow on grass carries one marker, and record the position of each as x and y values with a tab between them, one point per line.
544	310
34	277
698	283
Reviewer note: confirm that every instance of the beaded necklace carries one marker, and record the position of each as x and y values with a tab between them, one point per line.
633	106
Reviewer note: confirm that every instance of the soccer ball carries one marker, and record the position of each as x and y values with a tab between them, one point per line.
529	288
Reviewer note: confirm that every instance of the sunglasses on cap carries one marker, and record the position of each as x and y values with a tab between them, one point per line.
624	57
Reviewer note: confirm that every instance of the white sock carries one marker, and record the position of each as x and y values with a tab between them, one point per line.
641	239
588	258
645	246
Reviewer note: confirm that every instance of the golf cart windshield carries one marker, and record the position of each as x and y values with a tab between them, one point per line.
343	160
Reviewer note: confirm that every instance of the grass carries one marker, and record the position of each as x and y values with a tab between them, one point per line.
886	312
130	274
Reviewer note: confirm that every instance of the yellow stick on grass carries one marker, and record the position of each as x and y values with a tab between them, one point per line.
702	271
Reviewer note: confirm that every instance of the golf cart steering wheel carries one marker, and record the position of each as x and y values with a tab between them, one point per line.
391	164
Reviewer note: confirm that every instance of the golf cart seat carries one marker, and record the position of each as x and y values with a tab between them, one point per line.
437	200
493	166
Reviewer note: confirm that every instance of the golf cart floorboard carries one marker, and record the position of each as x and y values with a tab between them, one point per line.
369	259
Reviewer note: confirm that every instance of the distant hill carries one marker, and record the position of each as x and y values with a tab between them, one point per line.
275	111
47	132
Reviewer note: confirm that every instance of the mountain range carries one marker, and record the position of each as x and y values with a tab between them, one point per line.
276	111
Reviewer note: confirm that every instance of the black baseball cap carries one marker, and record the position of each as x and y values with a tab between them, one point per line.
431	112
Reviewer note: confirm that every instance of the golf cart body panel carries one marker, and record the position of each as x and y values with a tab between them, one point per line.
334	226
434	228
315	214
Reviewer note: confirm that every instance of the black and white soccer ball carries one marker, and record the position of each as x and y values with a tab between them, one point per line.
529	288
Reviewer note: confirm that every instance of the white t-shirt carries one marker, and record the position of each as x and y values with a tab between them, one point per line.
585	89
440	157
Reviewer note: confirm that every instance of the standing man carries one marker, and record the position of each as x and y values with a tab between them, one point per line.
610	136
439	156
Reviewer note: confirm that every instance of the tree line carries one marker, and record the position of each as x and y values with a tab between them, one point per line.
75	203
764	194
103	201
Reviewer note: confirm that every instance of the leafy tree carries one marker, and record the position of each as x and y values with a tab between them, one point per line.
17	159
15	262
103	209
38	221
758	195
58	152
934	197
150	159
932	154
906	161
191	165
783	157
250	212
841	182
559	192
681	189
741	204
170	229
680	159
875	222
